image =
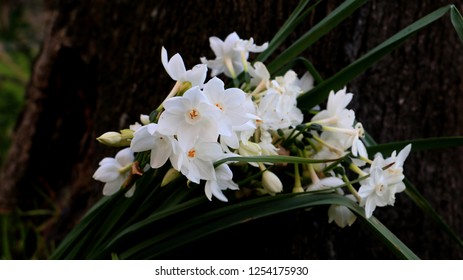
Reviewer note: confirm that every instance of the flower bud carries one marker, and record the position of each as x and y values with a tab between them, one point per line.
271	182
250	149
110	138
145	119
170	176
116	139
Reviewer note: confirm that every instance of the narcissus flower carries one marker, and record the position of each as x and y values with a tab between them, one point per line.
231	54
341	215
223	181
162	147
114	171
189	117
177	71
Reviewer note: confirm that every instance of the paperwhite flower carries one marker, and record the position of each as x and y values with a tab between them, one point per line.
230	55
198	161
382	185
379	190
223	181
162	146
177	71
324	184
287	84
306	82
190	116
231	103
259	75
340	214
336	114
114	171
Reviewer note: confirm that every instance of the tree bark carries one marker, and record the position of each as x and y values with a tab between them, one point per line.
99	68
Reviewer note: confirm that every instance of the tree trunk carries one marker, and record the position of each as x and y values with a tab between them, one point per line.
100	67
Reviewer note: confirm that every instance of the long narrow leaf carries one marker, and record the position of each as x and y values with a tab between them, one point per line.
320	29
298	15
418	144
457	21
340	79
273	159
209	223
283	32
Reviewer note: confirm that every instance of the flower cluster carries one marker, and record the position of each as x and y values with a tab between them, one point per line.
204	121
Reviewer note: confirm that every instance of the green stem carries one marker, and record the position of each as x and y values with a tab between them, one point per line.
351	188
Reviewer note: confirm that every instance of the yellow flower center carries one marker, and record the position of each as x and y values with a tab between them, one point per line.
193	114
191	153
219	106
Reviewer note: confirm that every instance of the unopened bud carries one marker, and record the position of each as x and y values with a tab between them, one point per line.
250	149
145	119
116	139
271	182
170	176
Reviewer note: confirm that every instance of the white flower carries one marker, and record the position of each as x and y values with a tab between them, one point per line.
223	181
177	71
197	162
336	114
341	215
230	54
386	179
396	162
259	74
306	82
162	146
379	190
190	116
324	184
287	84
114	171
232	104
357	146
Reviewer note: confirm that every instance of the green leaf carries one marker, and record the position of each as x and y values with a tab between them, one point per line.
318	94
272	159
296	17
215	220
418	144
457	21
320	29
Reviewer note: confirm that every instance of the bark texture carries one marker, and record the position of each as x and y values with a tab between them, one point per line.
99	68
